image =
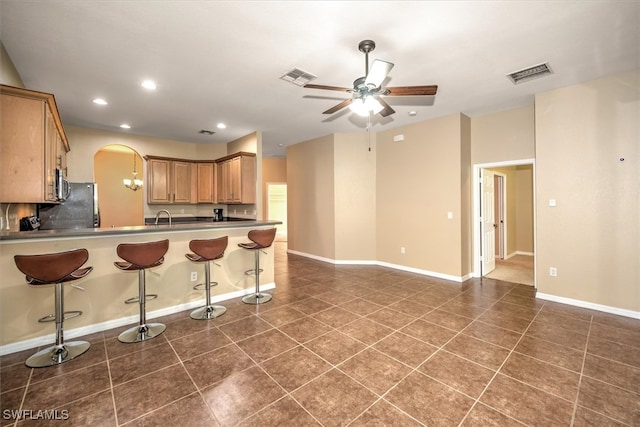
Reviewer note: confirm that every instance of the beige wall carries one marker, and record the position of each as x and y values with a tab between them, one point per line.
419	180
311	197
466	198
355	197
504	136
8	73
274	170
592	236
524	209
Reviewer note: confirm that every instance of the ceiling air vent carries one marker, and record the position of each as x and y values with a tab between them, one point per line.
530	73
206	132
298	77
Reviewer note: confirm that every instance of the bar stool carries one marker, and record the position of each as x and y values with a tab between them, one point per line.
260	239
140	256
205	251
56	269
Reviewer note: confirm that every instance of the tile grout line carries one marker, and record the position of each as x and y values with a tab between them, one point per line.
584	360
497	371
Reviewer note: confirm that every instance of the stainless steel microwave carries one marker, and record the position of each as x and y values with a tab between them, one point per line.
62	188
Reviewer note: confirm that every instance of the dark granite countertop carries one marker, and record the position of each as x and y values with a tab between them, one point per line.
151	228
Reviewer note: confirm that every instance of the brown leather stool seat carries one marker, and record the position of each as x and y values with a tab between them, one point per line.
205	251
260	239
139	257
56	269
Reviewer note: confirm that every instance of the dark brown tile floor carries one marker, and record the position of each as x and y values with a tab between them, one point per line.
357	346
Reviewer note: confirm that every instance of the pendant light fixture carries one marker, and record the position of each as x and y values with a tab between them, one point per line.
135	183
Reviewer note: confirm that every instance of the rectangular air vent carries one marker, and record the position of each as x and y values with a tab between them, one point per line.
298	77
530	73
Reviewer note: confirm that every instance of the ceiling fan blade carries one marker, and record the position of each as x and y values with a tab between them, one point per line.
339	106
377	73
387	110
411	90
341	89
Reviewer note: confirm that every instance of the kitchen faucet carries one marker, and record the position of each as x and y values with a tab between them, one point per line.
165	211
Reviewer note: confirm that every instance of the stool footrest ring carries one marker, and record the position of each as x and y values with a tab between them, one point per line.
252	272
135	300
202	286
66	315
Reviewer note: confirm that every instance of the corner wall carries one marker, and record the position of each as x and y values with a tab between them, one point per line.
418	183
311	197
592	236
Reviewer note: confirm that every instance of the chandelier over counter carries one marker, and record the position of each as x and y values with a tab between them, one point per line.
135	183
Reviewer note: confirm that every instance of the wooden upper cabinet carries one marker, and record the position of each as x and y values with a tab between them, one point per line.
229	180
168	181
237	179
206	182
32	146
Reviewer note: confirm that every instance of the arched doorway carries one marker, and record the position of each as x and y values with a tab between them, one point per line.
119	205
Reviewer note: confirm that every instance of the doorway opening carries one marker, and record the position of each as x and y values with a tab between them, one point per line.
504	221
120	205
277	207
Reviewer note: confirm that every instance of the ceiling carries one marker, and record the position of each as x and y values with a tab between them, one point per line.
221	61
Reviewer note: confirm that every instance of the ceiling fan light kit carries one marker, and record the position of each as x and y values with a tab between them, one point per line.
367	91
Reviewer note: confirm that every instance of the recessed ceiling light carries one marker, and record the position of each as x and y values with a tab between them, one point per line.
221	126
125	126
100	101
281	145
413	113
149	84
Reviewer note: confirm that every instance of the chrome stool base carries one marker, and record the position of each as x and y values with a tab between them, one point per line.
57	354
259	298
208	312
141	333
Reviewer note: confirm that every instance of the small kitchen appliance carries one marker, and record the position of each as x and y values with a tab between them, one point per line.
217	215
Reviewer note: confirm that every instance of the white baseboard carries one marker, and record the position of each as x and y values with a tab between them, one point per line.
589	305
123	321
384	264
512	254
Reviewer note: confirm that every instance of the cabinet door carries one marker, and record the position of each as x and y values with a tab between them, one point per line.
206	180
50	155
181	182
158	181
235	180
223	182
248	179
22	162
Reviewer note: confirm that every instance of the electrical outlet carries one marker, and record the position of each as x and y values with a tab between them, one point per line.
553	272
194	276
402	251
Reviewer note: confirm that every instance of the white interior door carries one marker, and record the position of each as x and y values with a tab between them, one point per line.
488	222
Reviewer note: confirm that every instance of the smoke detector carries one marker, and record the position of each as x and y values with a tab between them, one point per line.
530	73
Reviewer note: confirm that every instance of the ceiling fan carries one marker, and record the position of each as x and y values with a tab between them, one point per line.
368	91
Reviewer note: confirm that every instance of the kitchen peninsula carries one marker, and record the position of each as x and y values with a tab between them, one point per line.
106	287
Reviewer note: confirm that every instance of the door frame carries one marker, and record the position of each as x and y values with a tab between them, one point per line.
501	194
477	227
267	207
